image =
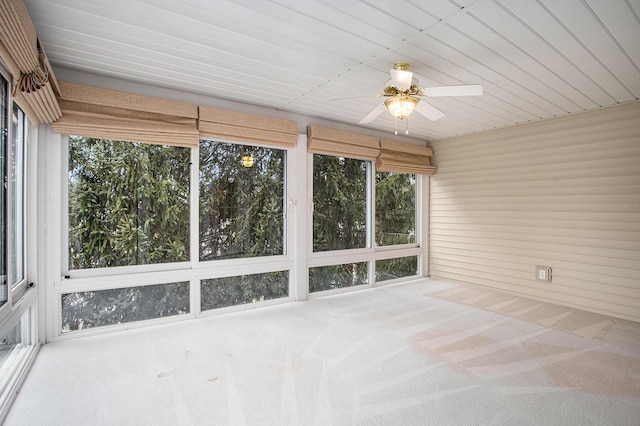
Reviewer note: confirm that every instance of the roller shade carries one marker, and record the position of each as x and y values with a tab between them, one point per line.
404	158
36	87
235	125
322	140
110	114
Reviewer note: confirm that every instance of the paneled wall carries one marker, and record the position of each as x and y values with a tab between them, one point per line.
563	193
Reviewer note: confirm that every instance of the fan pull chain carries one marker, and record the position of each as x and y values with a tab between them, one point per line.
396	123
406	124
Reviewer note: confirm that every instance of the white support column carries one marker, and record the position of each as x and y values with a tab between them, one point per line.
35	216
194	229
298	218
49	228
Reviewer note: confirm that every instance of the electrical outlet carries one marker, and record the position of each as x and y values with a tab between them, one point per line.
543	273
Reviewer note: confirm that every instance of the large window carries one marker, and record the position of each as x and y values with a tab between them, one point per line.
339	203
241	201
128	203
18	328
387	244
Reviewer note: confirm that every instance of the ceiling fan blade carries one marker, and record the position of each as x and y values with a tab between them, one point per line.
429	111
373	114
466	90
401	79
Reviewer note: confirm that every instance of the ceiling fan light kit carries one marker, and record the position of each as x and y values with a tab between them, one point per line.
401	106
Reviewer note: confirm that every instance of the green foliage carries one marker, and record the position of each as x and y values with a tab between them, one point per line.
128	203
395	208
120	305
337	276
339	203
241	208
389	269
230	291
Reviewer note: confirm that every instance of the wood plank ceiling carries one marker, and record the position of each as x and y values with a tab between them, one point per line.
536	59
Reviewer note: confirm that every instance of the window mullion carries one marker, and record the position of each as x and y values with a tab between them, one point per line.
194	228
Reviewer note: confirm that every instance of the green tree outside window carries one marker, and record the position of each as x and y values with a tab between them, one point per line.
128	203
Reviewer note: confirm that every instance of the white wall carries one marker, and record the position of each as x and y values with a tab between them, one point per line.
563	193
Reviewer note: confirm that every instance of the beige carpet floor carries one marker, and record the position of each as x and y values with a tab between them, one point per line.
422	353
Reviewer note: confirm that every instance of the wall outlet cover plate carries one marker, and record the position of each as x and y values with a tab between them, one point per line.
543	273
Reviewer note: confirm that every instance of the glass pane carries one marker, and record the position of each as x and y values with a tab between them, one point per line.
339	203
230	291
241	207
4	130
91	309
11	345
128	203
338	276
389	269
395	208
17	203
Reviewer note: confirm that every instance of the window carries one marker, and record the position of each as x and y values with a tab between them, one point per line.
339	203
128	203
120	305
390	269
331	277
17	187
241	205
17	306
12	199
341	213
395	208
13	346
395	222
238	290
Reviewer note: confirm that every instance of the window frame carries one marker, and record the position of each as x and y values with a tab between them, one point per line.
194	270
21	307
68	273
372	252
18	286
286	204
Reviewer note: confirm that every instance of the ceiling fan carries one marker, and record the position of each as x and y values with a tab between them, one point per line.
403	95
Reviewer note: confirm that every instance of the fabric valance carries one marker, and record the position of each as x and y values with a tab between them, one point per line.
241	126
110	114
404	158
339	143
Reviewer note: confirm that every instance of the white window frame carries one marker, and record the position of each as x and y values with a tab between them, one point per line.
22	297
95	279
16	289
372	252
18	286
